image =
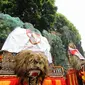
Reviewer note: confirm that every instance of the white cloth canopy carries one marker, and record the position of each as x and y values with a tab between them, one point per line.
24	39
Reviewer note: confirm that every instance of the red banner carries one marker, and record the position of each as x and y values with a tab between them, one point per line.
76	52
71	77
54	81
8	80
47	81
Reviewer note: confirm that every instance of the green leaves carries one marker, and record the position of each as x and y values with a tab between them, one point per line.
32	11
57	49
7	24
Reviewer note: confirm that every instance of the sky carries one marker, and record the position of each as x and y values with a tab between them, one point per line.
74	11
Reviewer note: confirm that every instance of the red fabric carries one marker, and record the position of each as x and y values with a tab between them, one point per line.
54	79
73	51
13	80
50	80
47	81
71	77
76	52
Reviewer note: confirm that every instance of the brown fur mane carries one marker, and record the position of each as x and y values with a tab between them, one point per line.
27	60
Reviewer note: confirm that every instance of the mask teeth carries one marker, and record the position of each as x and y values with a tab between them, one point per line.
34	73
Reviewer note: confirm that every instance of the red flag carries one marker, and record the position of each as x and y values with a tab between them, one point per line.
76	52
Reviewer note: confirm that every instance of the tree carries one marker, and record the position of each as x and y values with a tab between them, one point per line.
7	24
57	49
41	13
61	21
68	31
7	6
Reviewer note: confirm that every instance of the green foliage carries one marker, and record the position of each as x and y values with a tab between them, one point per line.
8	23
67	29
7	6
57	49
61	21
41	13
68	36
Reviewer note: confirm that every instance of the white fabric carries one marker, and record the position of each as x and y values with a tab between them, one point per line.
19	39
76	52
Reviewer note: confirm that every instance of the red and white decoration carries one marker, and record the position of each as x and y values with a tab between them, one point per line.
25	39
76	52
